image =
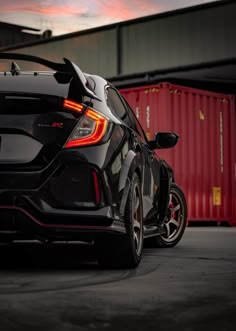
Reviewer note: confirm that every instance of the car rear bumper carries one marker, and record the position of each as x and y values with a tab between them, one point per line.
31	215
71	195
28	222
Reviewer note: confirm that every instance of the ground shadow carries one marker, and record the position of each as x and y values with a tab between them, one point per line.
34	256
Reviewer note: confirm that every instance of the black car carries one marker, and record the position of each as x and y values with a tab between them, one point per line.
75	164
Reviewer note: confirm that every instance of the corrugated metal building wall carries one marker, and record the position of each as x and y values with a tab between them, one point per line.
11	34
87	50
179	40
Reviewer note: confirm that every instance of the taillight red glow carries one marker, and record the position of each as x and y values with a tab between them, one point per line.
90	130
73	105
96	187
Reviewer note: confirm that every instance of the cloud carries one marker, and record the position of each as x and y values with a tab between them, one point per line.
124	9
65	8
64	16
121	9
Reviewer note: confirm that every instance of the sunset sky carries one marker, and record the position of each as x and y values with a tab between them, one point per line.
65	16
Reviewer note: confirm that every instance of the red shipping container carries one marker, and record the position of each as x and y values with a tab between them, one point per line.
204	158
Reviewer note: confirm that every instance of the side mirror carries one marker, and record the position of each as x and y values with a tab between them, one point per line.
163	140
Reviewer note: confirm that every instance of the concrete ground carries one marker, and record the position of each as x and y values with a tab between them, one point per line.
60	287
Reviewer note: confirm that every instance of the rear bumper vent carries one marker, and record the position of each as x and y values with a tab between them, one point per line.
73	188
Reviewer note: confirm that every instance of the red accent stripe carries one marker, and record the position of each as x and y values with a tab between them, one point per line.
63	226
96	187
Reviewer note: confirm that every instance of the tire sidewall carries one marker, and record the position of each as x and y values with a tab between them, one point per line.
175	189
135	183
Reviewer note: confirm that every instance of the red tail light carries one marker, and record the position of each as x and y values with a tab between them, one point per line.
90	130
73	105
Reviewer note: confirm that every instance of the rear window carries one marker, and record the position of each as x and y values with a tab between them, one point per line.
40	83
19	104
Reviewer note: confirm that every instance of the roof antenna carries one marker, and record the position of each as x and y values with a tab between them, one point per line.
15	69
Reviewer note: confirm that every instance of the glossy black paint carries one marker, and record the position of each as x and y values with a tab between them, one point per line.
52	195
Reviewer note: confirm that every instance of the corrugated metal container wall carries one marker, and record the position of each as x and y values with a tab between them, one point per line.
204	158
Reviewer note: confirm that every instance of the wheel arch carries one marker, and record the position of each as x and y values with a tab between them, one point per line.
166	179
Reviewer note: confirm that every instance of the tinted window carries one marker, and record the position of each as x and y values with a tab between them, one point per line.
115	103
134	122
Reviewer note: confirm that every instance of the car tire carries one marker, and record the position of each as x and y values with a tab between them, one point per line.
125	251
175	223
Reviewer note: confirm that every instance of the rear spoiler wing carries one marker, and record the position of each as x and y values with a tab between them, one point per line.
66	67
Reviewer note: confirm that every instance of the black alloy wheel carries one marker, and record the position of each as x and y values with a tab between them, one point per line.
176	220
